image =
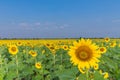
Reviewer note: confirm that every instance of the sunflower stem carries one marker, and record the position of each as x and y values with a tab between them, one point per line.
61	59
43	74
54	60
17	72
87	74
0	61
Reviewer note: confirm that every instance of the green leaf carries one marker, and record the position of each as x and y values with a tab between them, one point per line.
82	77
68	74
38	77
11	75
98	76
1	76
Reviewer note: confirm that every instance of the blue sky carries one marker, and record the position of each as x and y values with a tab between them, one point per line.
59	18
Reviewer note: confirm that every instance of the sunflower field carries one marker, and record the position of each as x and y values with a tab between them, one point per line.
60	59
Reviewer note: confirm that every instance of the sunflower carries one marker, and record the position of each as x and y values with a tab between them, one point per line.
84	53
47	45
52	48
100	71
19	43
106	75
65	47
96	66
107	39
113	44
33	53
102	49
119	45
38	65
13	49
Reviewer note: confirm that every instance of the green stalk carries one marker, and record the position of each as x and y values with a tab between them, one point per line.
61	59
17	72
43	74
54	59
1	62
87	74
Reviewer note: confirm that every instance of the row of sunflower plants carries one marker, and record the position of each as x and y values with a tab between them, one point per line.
82	60
110	60
32	63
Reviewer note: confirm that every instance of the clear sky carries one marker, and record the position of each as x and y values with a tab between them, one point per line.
59	18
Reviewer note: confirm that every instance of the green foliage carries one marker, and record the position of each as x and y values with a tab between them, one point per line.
55	66
98	76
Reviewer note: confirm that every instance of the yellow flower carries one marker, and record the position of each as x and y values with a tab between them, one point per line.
113	44
106	75
81	70
84	53
13	49
33	53
102	49
77	78
24	51
96	66
52	48
107	39
38	65
65	47
100	71
19	43
48	45
118	45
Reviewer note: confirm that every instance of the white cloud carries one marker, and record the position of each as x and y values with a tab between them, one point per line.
26	26
55	26
63	26
49	23
23	24
41	26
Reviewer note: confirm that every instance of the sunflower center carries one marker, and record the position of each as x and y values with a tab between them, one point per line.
33	53
106	39
65	47
52	48
102	49
38	64
13	49
84	53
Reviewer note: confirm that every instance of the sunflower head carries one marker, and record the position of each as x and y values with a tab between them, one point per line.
96	66
52	48
33	53
48	45
13	49
106	75
102	50
38	65
19	43
84	53
107	39
100	71
65	47
113	44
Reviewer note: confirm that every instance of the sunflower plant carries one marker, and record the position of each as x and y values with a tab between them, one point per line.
85	54
83	59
